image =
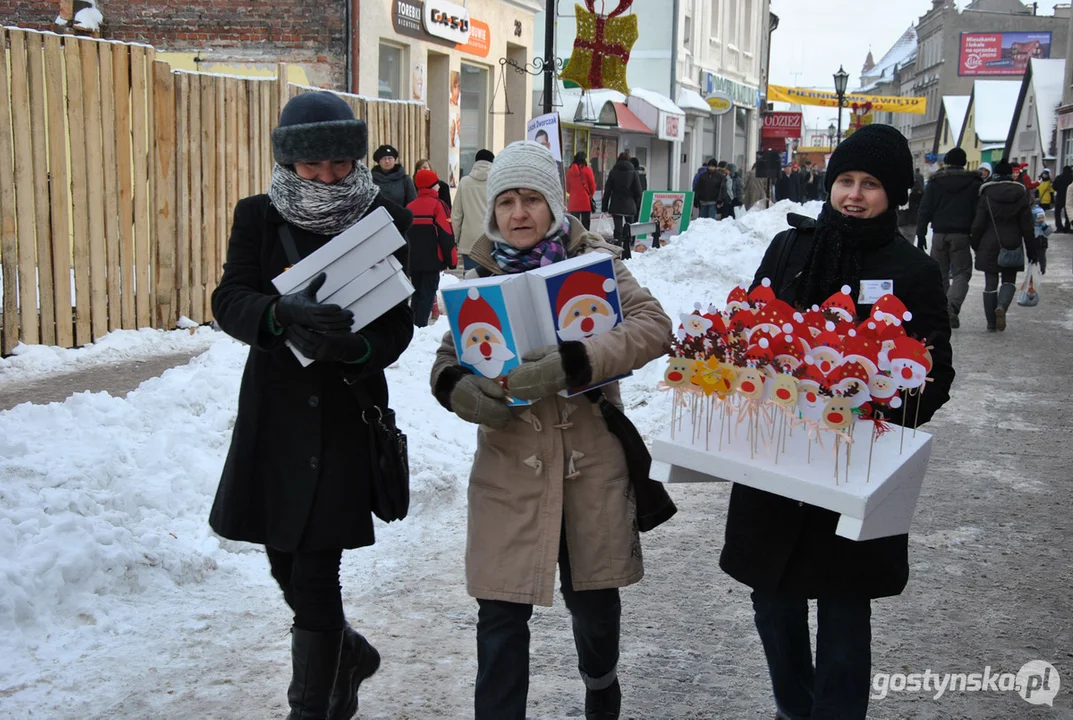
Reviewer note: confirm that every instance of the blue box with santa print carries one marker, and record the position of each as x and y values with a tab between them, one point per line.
492	324
576	299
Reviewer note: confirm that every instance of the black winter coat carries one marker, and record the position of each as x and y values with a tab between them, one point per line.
777	544
949	203
622	191
295	477
396	185
1061	185
709	187
786	188
1008	203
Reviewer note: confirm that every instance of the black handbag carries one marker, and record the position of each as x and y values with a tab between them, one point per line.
389	471
654	505
1007	258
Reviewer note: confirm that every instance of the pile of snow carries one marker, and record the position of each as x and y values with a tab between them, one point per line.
104	502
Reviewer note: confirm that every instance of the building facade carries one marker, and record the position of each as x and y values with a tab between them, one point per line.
1065	110
449	57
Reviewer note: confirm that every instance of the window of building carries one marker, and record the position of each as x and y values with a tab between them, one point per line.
716	30
474	115
391	75
747	25
732	22
687	33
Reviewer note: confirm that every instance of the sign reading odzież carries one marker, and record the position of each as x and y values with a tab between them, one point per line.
880	103
781	125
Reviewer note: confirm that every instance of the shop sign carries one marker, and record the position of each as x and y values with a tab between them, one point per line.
447	20
740	93
720	103
782	125
1065	122
672	127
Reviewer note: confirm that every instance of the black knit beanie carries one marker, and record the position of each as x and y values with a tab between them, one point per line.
316	126
1003	167
882	152
955	158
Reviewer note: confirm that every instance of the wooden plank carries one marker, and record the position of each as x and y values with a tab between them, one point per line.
79	190
42	232
182	182
9	244
59	191
220	203
242	140
111	188
124	161
164	193
282	91
231	145
91	105
192	279
209	232
268	122
253	90
140	114
24	190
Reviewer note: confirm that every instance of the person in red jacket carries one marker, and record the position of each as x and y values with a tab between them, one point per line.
431	244
580	187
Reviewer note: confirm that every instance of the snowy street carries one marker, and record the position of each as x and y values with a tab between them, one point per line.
118	601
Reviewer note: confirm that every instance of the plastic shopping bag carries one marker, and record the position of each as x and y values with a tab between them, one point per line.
1028	295
603	225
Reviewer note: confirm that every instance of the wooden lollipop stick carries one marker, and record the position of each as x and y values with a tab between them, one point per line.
905	408
871	446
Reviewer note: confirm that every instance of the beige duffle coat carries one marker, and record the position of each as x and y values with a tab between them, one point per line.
557	462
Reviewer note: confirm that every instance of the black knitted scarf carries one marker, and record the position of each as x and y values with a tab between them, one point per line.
319	207
834	260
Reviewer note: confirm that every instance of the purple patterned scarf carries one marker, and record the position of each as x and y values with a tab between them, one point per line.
550	250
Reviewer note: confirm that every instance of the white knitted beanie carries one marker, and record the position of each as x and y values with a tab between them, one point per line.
529	165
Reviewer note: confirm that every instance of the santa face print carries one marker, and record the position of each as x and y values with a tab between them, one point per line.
854	391
809	401
586	317
695	325
907	373
826	359
485	351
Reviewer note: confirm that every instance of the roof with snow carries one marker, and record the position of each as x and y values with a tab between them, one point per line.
994	102
660	102
955	106
691	100
594	101
899	54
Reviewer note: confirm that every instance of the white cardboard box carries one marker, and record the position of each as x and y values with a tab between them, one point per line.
871	506
345	256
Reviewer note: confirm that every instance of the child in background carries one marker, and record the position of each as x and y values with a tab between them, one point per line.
1042	230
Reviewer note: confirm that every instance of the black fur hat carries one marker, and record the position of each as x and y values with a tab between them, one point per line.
317	126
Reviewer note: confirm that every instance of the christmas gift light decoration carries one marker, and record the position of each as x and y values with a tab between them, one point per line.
602	47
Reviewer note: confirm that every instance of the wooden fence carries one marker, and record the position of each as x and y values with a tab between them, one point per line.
119	177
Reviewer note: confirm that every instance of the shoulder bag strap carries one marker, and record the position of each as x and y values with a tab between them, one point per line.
289	247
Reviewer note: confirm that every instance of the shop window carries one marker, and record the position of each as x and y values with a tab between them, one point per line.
603	151
687	33
474	115
391	62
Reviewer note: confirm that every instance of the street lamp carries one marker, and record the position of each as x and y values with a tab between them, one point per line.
831	136
841	77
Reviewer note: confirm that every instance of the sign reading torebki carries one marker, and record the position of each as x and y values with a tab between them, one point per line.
782	125
443	23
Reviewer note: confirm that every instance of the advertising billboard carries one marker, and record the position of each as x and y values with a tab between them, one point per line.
1001	53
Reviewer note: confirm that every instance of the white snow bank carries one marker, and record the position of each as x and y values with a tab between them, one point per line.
28	362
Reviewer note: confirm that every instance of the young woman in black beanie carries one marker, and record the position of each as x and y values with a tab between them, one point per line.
295	479
787	551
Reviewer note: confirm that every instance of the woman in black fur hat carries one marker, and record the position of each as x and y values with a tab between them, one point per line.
787	551
294	479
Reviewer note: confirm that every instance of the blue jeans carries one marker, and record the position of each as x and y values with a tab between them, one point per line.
503	645
837	688
709	210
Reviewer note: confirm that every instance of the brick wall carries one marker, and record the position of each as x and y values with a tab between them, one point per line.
308	32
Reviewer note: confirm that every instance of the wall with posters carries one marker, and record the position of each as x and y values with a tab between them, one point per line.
447	54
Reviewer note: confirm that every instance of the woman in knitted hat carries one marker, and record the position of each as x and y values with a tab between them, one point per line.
1003	222
549	483
785	550
294	479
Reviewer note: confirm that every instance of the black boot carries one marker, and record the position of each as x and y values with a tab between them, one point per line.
603	704
314	662
358	661
1005	297
990	304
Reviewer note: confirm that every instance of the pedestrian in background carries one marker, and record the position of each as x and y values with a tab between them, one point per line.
949	206
1003	222
622	198
985	171
915	196
707	189
390	176
1061	188
1042	231
785	550
471	202
1045	190
443	189
580	187
431	243
642	173
786	186
737	185
549	483
296	477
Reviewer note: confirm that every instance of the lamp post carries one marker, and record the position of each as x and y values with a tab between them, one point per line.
831	136
841	77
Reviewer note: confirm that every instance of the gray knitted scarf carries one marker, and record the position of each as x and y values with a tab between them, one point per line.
318	207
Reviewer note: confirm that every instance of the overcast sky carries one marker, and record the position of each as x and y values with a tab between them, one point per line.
813	40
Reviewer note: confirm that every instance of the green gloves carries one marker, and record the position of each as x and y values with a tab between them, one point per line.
479	400
541	374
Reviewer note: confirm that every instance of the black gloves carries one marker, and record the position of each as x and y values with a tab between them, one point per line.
302	309
922	243
343	346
